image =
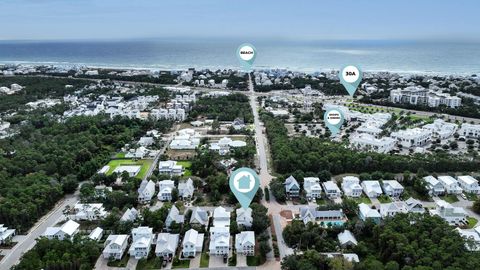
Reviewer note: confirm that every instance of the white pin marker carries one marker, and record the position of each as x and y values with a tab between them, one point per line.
350	77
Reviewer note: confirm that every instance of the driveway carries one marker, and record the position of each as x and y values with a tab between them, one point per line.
195	262
241	260
216	261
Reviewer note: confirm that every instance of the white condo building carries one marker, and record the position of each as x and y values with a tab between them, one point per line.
414	137
469	131
368	142
441	129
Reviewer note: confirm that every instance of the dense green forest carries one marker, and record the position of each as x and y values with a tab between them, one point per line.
225	108
405	241
48	158
314	155
79	254
36	88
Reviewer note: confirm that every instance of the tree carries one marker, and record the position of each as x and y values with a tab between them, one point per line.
260	218
264	248
174	194
476	206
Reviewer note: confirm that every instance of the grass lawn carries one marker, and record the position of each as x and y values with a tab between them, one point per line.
384	199
145	163
204	260
186	164
120	263
472	222
150	263
120	155
180	264
363	199
254	260
450	198
471	196
321	201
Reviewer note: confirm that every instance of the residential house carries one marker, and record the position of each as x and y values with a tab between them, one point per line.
6	234
372	188
167	244
199	216
165	188
365	212
326	217
414	206
312	187
472	237
392	188
115	246
129	215
142	238
219	240
347	239
331	189
245	243
351	186
186	189
292	188
392	208
146	191
434	186
450	184
96	234
170	167
131	170
469	184
453	215
244	217
221	217
88	211
146	141
66	231
173	216
192	243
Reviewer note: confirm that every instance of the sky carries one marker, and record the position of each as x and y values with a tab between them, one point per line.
292	19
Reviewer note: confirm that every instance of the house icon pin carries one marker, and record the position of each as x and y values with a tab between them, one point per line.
244	182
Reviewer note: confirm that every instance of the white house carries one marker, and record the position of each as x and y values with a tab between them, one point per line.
372	188
146	141
142	238
393	208
292	188
469	184
414	206
165	188
67	231
199	216
96	234
312	187
88	211
472	236
173	216
450	184
170	167
392	188
221	217
331	189
167	244
347	239
453	215
186	189
115	246
192	243
146	191
324	217
244	217
6	234
434	186
365	212
412	137
245	243
129	215
351	186
469	130
441	129
219	240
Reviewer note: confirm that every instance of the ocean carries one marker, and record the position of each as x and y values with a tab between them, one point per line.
456	58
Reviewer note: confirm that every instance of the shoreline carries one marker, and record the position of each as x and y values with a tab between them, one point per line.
182	67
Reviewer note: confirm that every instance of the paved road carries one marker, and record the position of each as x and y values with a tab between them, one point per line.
26	243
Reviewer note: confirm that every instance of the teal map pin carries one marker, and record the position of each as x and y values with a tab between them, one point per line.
350	77
244	183
246	54
333	120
